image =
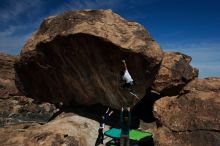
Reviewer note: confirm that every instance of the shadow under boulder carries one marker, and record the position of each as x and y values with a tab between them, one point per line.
143	110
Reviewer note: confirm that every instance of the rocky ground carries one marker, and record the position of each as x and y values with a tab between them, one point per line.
41	124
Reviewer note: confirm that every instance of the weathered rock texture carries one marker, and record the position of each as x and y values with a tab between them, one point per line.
7	75
76	57
7	66
15	108
174	73
191	119
20	109
82	129
24	135
66	130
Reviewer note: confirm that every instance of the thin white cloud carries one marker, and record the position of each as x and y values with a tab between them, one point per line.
94	4
208	67
14	36
87	4
8	32
13	45
208	71
200	50
16	8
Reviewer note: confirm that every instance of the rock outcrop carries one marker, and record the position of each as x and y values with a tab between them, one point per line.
7	75
15	108
192	118
65	130
7	66
174	73
76	57
21	109
25	134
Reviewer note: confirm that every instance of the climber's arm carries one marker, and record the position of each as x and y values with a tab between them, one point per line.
125	65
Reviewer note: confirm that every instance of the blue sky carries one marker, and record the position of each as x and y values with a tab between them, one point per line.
188	26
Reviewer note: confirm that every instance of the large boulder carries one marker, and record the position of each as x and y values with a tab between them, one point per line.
81	128
174	73
66	130
76	57
191	118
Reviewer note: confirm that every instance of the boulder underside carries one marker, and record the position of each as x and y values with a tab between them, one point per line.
84	69
75	57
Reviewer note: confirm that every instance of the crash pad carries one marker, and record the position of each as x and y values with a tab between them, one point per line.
133	134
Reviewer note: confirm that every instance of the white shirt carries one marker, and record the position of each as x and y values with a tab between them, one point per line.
127	77
102	126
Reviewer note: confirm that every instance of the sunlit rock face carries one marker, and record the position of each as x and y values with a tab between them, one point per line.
76	57
191	118
174	73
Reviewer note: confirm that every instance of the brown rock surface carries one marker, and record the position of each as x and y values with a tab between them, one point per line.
76	57
7	75
65	130
21	109
174	73
164	137
15	108
6	66
192	118
81	128
27	135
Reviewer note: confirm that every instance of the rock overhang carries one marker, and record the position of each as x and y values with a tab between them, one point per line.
56	57
82	68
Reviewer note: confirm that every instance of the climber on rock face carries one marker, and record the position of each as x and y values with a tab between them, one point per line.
128	82
126	77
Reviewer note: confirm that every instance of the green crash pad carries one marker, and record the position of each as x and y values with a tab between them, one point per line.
133	134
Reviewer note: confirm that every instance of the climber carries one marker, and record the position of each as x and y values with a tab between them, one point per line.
126	77
128	82
102	123
125	120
